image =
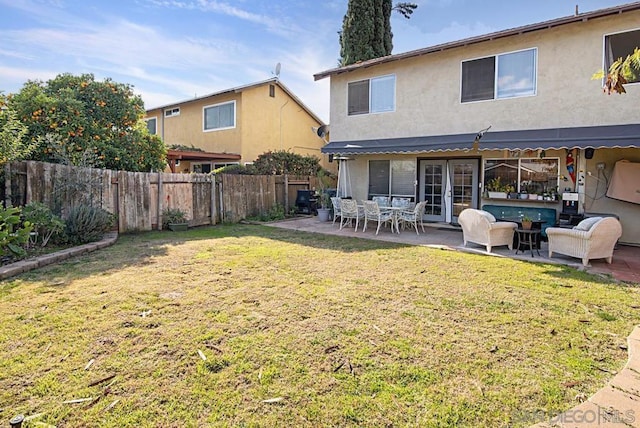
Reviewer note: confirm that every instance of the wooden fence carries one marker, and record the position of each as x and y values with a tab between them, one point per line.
138	199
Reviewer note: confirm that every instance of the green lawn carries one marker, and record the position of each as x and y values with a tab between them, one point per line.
200	328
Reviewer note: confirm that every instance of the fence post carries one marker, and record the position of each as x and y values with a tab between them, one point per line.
213	198
286	193
160	197
7	185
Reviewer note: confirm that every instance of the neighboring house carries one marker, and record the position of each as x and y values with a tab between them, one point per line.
415	124
235	126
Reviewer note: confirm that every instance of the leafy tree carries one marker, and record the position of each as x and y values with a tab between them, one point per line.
14	144
82	115
366	29
620	72
277	163
284	162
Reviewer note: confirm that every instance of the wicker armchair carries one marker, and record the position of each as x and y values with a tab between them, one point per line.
592	238
482	228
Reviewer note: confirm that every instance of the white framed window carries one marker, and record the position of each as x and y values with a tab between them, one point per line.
392	178
507	75
201	168
223	164
375	95
172	112
620	45
532	175
152	125
219	116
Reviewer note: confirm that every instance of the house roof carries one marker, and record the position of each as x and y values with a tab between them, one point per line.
237	89
615	136
580	17
199	155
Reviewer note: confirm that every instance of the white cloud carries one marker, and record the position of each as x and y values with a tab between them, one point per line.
15	77
271	24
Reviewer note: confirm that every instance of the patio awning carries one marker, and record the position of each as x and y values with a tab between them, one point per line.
441	143
595	137
615	136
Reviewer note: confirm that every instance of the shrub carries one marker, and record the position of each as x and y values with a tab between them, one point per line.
174	216
86	223
45	223
14	234
275	213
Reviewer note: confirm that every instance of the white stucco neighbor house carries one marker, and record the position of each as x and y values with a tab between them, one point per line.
514	111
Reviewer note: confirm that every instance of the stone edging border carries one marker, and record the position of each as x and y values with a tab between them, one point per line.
47	259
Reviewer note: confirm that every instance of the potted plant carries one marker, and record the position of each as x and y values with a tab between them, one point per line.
174	219
324	198
496	189
526	222
532	190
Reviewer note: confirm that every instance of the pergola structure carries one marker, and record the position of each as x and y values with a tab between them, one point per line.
198	156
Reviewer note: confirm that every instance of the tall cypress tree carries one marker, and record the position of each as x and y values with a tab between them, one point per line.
366	29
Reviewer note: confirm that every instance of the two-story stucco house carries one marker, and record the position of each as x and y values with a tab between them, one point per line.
235	126
438	124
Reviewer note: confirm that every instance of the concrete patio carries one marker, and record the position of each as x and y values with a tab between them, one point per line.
625	266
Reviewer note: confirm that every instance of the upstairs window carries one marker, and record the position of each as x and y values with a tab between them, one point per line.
502	76
621	45
375	95
220	116
172	112
152	125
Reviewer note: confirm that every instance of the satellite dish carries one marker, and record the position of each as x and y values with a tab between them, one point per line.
322	131
277	72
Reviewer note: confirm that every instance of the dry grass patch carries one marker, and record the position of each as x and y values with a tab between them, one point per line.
254	326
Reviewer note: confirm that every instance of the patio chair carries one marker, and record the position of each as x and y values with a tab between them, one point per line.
401	202
383	201
337	208
350	211
592	238
413	216
373	212
481	227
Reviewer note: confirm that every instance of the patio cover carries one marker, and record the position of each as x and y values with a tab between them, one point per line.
615	136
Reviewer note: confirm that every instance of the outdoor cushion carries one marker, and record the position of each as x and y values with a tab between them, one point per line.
587	223
488	216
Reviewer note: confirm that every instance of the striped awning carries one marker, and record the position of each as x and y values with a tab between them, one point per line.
615	136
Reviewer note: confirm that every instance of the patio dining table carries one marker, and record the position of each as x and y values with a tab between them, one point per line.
395	212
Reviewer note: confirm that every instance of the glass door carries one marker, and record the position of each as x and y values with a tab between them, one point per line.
463	178
448	186
432	190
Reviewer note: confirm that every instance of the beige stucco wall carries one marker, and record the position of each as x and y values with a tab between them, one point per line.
593	200
263	123
277	123
187	128
428	88
596	201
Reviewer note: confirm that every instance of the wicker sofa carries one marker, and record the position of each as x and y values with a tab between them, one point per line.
592	238
481	227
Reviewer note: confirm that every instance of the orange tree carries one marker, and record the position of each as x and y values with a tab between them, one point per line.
81	115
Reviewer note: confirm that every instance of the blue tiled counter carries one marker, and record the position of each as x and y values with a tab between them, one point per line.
548	215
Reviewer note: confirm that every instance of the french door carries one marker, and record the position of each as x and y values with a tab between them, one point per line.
448	186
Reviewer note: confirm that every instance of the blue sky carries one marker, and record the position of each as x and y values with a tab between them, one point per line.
172	50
